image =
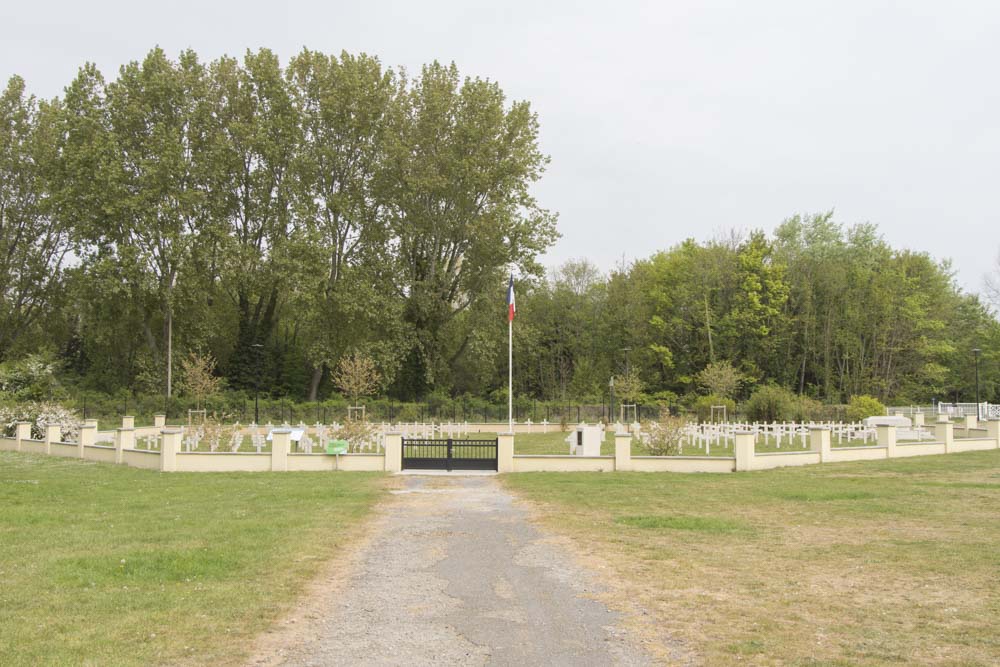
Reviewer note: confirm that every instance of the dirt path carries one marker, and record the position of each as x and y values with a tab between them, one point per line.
452	574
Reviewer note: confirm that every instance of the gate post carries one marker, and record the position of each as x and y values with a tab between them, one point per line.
124	439
623	451
88	436
819	442
53	433
993	431
743	445
169	448
281	438
505	452
944	431
22	431
393	452
886	436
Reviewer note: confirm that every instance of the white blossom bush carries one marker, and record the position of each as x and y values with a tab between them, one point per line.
664	436
41	414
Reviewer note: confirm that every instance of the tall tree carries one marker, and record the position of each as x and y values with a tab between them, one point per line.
463	214
156	116
254	138
33	242
344	107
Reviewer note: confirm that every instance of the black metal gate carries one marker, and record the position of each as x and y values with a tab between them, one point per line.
450	454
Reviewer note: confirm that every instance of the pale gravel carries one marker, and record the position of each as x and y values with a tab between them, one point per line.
454	574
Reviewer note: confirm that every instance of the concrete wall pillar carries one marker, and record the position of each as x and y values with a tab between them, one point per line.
887	438
171	444
918	419
944	431
970	423
90	422
88	436
22	431
819	442
128	422
53	433
505	452
124	439
159	421
623	451
281	439
743	444
993	431
393	452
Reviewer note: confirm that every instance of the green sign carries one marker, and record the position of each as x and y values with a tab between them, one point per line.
335	447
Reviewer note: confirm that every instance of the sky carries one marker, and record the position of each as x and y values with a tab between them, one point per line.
663	120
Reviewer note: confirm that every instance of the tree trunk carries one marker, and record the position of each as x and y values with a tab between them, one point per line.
317	377
170	350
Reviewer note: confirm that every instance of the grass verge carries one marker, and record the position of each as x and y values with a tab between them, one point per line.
858	563
106	564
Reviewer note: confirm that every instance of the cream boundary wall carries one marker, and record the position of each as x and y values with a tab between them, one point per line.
138	458
64	449
904	449
99	453
972	445
216	462
347	462
683	464
769	460
170	458
562	463
872	453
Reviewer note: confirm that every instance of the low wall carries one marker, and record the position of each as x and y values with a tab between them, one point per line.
843	454
972	445
904	449
769	460
746	457
138	458
65	449
562	463
683	464
33	446
99	453
345	462
222	462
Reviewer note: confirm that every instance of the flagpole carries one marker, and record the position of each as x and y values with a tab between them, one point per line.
510	375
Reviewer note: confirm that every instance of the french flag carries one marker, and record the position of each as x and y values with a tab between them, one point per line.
510	299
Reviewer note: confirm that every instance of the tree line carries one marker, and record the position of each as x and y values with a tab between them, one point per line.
822	310
281	219
277	217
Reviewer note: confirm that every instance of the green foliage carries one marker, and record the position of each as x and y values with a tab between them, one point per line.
770	404
863	406
702	407
279	217
32	378
720	378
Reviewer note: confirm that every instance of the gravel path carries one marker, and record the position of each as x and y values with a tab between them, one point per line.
454	575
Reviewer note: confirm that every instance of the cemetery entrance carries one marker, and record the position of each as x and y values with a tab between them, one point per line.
450	454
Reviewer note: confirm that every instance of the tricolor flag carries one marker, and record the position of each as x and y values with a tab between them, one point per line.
510	299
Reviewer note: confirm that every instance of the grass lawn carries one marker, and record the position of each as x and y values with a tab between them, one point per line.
840	564
104	564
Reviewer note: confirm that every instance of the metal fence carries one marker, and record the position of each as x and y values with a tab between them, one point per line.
980	410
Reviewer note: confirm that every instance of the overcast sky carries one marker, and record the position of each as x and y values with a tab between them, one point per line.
664	120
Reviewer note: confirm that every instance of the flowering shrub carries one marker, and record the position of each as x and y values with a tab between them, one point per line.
663	437
40	414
